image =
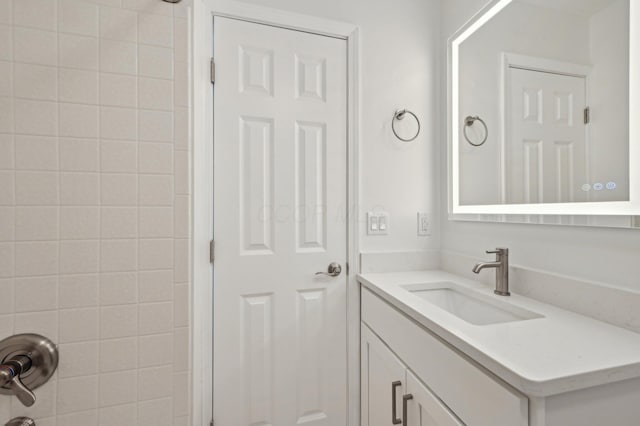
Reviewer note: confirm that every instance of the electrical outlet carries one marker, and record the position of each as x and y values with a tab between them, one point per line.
424	224
377	223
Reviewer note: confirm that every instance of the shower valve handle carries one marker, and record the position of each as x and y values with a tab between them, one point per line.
27	361
10	372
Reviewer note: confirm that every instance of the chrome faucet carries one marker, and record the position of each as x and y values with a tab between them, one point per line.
502	270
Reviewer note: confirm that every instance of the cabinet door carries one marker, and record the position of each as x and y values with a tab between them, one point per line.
424	409
380	370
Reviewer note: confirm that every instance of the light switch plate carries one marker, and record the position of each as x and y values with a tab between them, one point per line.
377	223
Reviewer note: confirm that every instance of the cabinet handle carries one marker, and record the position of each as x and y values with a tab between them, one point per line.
394	412
405	399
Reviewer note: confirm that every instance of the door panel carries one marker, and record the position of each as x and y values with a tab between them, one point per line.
380	369
547	147
279	217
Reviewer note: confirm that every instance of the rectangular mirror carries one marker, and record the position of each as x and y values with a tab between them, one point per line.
541	93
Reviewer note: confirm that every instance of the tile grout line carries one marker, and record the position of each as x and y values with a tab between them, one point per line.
59	201
100	233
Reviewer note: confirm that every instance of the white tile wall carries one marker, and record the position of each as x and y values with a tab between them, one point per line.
35	46
118	90
94	205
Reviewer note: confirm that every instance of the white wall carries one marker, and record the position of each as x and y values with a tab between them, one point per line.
94	197
600	254
398	70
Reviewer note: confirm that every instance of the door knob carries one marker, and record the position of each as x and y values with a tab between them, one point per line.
333	270
27	361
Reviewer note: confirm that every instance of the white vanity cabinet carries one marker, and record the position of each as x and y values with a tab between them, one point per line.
424	408
389	388
559	369
446	388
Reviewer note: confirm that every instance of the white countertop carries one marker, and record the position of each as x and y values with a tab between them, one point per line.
560	352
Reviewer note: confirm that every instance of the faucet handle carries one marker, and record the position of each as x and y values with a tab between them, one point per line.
27	361
24	394
498	251
12	369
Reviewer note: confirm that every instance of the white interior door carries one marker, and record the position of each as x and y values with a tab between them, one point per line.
280	205
546	140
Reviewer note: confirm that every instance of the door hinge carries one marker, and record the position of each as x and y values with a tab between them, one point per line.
212	251
212	423
587	115
213	71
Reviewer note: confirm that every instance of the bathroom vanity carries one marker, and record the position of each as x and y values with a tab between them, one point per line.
438	349
540	96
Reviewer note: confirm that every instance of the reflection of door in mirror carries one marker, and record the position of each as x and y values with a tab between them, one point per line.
529	71
546	155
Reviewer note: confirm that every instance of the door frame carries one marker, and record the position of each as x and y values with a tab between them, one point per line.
201	296
539	64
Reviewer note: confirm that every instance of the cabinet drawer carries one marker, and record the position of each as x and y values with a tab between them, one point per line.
477	398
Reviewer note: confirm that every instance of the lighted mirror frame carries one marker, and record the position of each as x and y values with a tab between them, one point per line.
611	208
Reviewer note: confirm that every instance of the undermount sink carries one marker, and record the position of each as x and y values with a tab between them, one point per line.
476	309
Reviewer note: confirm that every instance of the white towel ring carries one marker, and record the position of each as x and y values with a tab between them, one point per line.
400	115
468	122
